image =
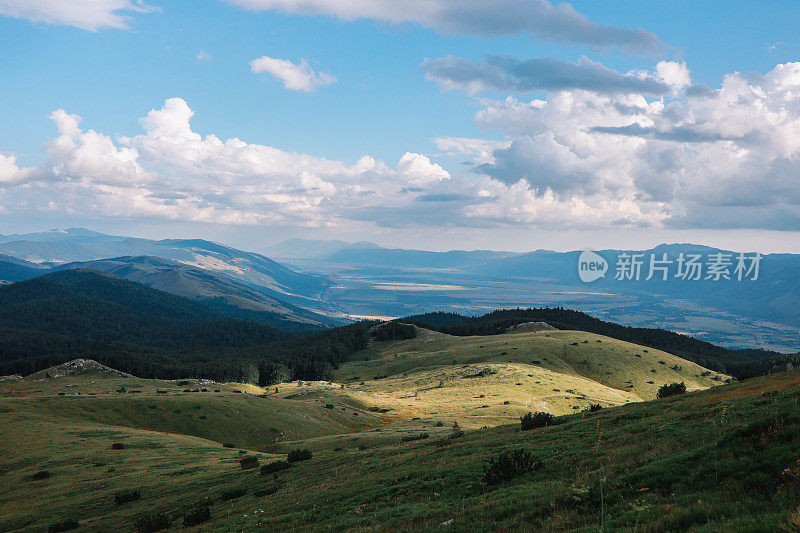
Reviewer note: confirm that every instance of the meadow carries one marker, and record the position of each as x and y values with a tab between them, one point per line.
722	458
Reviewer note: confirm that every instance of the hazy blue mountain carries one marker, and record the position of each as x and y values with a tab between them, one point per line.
365	280
218	291
59	235
314	248
13	269
414	258
58	247
771	297
759	313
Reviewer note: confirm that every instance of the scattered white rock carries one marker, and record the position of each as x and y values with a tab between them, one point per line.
77	367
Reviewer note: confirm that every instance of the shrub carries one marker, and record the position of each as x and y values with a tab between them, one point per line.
117	446
595	407
231	494
418	436
125	496
275	466
507	466
267	491
41	474
152	523
229	445
536	420
439	424
64	525
673	389
249	462
197	516
328	406
302	454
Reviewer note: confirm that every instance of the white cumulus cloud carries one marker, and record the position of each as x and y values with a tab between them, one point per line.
85	14
694	157
294	76
699	157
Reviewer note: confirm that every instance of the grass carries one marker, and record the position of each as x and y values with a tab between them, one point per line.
613	363
246	419
722	459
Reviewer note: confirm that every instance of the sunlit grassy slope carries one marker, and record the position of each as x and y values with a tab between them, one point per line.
712	460
551	370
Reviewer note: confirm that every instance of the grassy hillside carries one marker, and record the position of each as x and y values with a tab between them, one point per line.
740	363
244	415
722	459
617	364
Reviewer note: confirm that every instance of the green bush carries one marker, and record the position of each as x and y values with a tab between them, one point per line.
302	454
536	420
152	523
233	493
41	474
228	445
507	466
673	389
65	525
273	467
197	516
595	407
249	462
125	496
117	446
267	491
418	436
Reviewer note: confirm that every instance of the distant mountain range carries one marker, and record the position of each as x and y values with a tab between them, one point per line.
55	247
323	283
747	313
315	248
229	295
217	275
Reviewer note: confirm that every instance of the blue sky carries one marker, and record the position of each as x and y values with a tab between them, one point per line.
385	105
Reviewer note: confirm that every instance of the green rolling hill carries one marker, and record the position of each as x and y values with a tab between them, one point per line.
674	464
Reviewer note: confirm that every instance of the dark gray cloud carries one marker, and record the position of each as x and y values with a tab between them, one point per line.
540	18
543	162
683	134
700	90
444	197
504	73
